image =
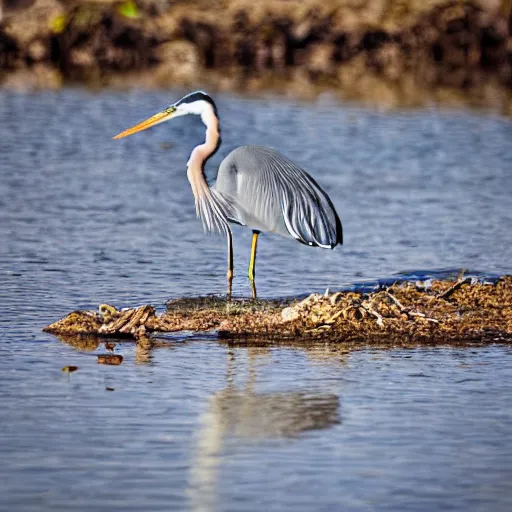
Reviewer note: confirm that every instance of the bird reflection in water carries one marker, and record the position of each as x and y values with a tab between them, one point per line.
242	412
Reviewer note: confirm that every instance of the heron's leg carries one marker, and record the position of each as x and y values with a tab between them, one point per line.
230	264
252	262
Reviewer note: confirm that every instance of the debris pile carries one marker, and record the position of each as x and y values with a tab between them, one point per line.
408	311
404	313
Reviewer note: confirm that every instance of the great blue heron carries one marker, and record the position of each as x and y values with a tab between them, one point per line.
256	187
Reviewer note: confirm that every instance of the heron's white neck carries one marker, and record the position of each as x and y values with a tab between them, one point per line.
202	152
207	206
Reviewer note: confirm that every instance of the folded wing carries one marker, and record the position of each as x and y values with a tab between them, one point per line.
271	190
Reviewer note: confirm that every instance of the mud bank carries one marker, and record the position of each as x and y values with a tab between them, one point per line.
436	312
373	46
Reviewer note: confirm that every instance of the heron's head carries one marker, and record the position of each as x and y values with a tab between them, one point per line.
197	103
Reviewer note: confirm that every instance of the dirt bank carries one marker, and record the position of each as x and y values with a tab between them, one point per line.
379	46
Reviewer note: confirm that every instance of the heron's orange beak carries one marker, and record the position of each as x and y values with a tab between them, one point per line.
148	123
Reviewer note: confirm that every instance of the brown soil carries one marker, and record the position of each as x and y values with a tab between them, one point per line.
383	47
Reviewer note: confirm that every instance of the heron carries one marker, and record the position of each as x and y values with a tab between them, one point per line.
256	187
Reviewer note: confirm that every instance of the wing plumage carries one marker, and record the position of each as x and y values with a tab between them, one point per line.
272	193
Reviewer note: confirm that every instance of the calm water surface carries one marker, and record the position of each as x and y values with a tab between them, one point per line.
202	426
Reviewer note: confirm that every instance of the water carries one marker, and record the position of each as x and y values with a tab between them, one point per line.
203	426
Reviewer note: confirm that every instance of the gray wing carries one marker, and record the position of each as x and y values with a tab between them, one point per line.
269	192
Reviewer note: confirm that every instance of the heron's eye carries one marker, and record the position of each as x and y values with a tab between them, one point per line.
170	110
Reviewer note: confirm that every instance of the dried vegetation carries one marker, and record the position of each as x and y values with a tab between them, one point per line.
404	313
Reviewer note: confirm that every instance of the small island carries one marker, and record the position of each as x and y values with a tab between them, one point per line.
403	314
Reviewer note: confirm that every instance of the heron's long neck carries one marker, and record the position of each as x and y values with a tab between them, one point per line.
210	206
200	154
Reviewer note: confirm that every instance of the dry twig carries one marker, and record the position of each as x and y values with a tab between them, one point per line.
456	286
367	306
408	311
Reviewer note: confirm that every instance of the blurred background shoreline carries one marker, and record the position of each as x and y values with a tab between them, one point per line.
392	53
